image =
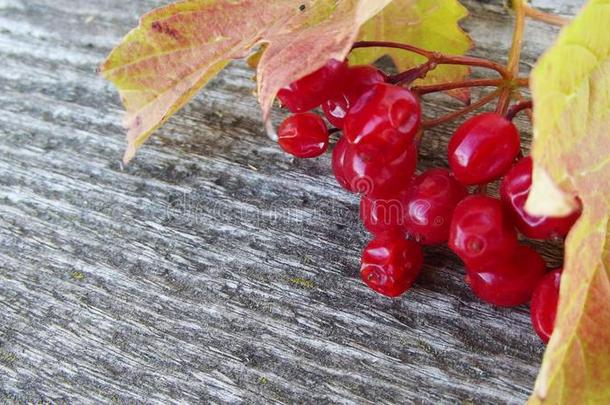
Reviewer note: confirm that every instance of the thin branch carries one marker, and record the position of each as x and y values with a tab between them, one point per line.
436	57
530	113
409	76
517	108
472	61
504	100
456	114
514	57
552	19
433	88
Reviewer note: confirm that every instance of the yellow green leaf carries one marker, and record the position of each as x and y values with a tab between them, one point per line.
429	24
571	151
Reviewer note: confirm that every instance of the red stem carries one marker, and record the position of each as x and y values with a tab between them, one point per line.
433	88
529	113
409	76
504	100
456	114
472	61
436	57
517	108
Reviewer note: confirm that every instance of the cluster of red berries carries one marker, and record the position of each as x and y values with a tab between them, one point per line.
377	157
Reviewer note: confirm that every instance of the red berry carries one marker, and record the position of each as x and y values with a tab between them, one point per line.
514	191
480	231
390	266
483	148
359	80
312	90
303	135
338	163
382	216
384	121
508	283
543	307
373	177
429	205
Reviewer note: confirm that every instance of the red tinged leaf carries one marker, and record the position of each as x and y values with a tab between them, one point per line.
179	48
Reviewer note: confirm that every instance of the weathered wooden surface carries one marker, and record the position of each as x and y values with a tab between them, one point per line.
214	268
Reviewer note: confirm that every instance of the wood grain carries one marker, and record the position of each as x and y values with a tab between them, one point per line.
214	268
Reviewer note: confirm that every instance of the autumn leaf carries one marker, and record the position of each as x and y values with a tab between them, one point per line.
428	24
571	150
308	41
178	49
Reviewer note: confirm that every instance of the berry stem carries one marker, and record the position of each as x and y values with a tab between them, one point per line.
549	18
529	112
514	57
472	61
517	108
396	45
433	88
409	76
456	114
438	58
504	100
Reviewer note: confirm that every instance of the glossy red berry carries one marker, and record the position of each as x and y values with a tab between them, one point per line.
382	216
429	204
483	149
543	308
390	266
514	191
480	231
384	121
312	90
373	177
303	135
339	162
359	80
508	283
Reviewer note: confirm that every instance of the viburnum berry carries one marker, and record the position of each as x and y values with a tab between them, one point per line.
543	308
514	191
384	121
373	177
382	216
339	162
303	135
359	80
429	204
480	231
508	283
312	90
483	148
391	265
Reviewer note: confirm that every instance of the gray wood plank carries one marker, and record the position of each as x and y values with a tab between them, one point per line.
213	268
